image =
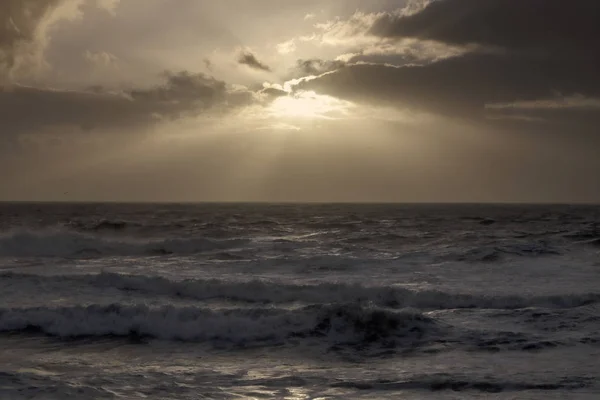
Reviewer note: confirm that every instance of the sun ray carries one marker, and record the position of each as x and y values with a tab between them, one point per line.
308	104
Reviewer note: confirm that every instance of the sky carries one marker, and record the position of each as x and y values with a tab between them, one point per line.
300	100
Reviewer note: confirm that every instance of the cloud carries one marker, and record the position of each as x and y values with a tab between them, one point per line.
570	102
463	58
110	5
21	30
356	39
208	64
183	94
286	47
550	29
247	58
405	51
273	91
457	86
24	26
100	59
577	110
545	26
316	66
353	31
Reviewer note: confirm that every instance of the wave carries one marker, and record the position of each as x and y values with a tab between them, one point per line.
340	324
445	382
339	327
128	226
270	292
588	232
495	253
261	291
99	225
60	243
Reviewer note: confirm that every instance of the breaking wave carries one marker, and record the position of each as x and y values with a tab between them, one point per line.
270	292
58	243
340	324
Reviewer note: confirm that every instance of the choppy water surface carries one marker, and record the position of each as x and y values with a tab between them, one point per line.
299	301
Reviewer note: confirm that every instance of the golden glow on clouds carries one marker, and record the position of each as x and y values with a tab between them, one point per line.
308	104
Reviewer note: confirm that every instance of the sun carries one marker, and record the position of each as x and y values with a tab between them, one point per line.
308	104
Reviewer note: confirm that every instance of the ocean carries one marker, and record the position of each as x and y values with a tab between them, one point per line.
285	301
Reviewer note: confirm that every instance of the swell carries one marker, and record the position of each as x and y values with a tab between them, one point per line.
497	252
340	324
461	384
270	292
62	243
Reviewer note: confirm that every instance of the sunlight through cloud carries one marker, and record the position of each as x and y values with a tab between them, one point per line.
308	104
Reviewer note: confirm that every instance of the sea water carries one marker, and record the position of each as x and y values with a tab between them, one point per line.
258	301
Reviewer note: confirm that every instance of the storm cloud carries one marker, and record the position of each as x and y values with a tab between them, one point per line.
515	51
542	27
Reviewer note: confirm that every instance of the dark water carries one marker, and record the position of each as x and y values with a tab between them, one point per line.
299	301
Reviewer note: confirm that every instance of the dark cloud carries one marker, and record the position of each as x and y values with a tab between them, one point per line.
249	59
524	50
536	25
460	85
36	110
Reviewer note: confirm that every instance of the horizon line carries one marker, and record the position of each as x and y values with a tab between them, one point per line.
316	202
